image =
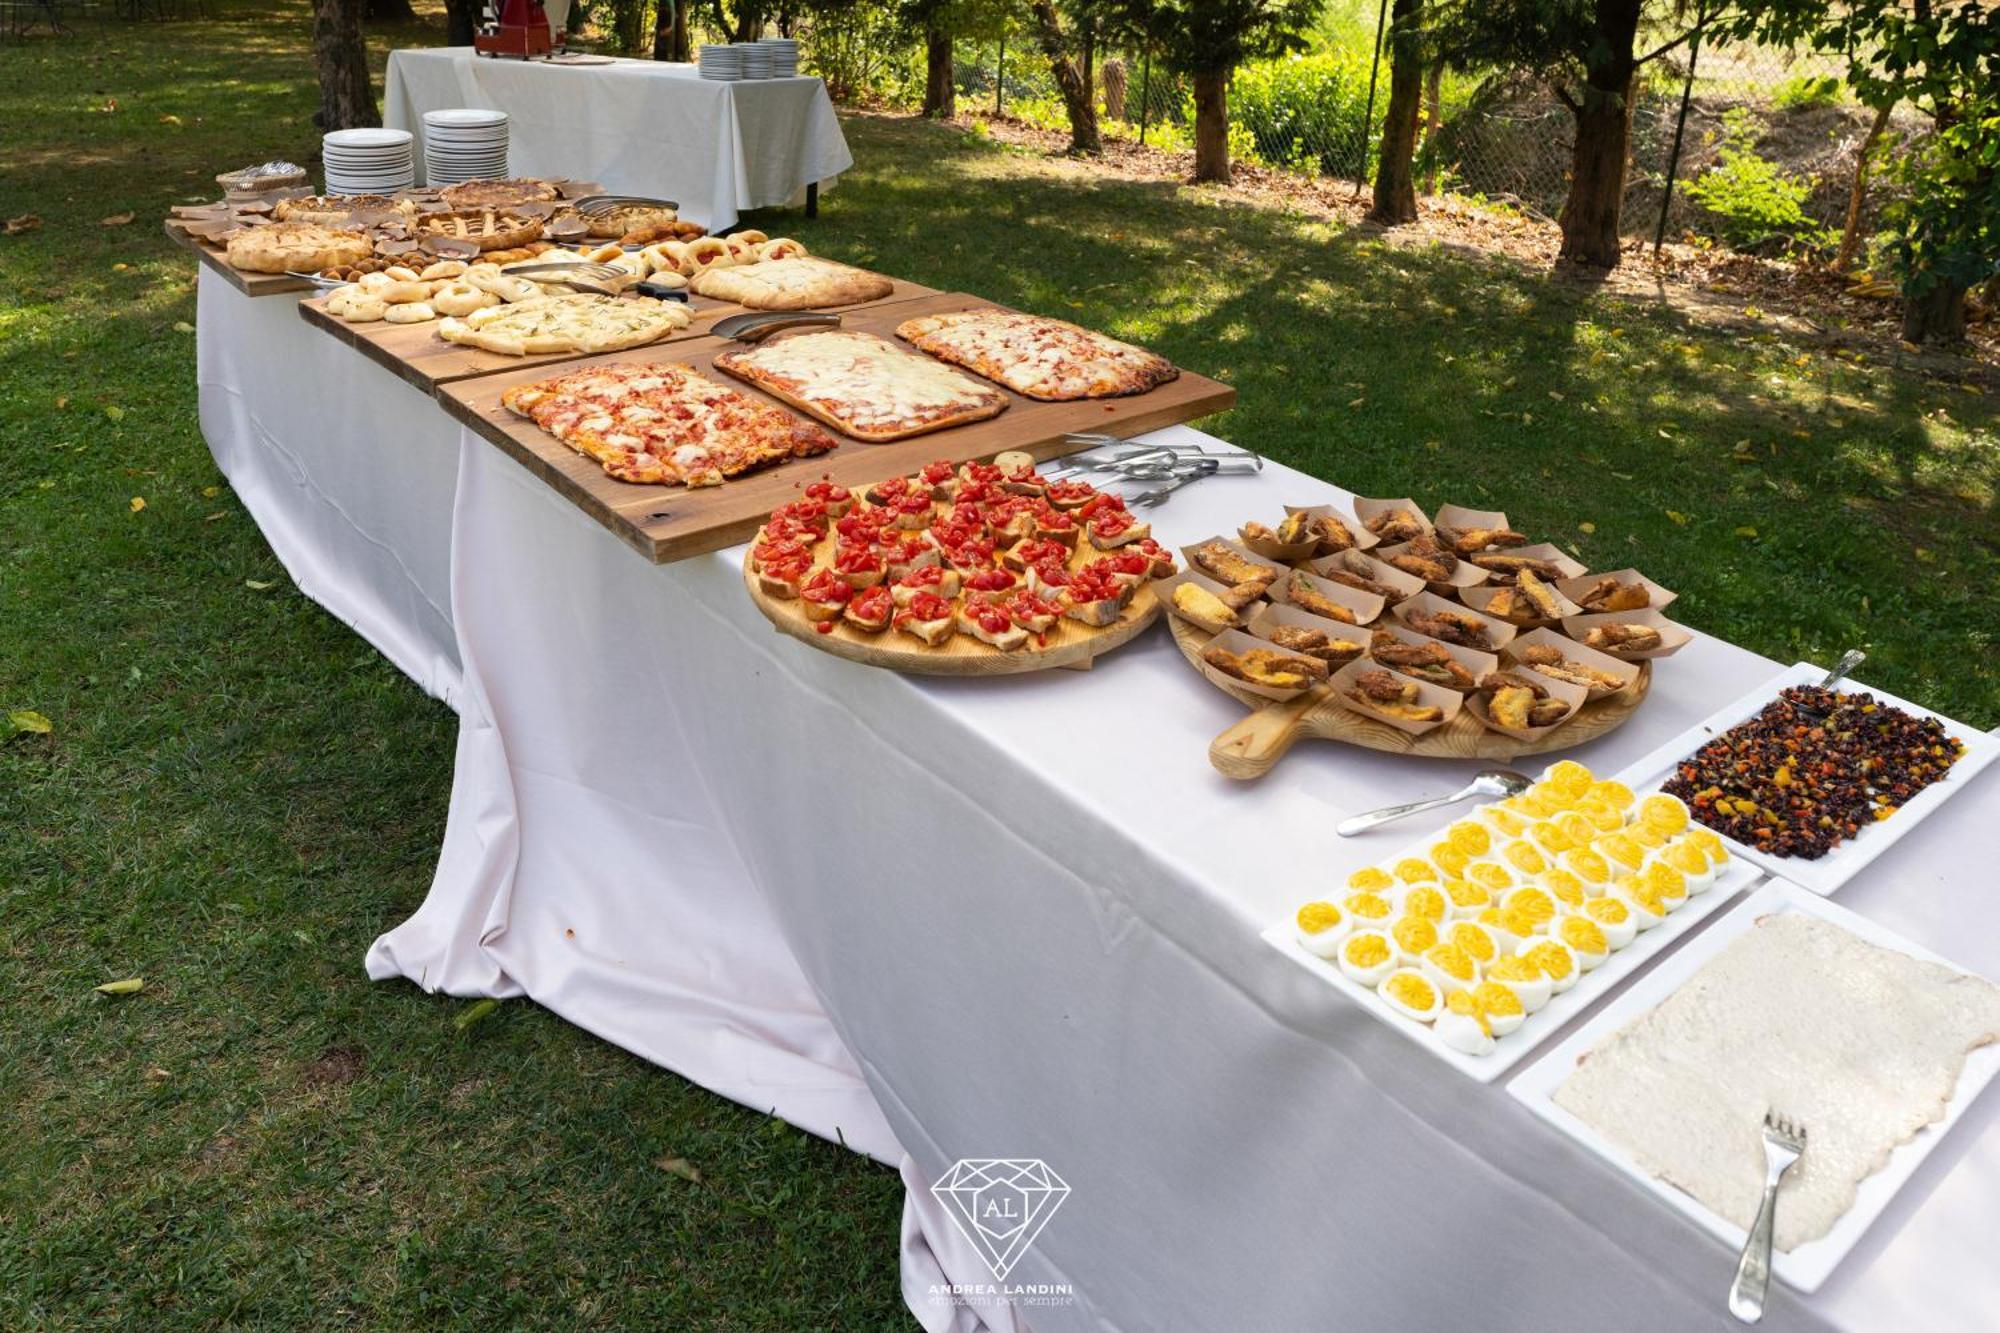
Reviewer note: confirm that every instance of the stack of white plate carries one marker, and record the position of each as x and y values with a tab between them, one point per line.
784	56
463	144
721	62
369	161
756	60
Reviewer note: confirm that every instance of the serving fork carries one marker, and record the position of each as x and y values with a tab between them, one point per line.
1784	1142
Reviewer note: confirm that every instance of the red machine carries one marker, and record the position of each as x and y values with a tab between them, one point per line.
523	31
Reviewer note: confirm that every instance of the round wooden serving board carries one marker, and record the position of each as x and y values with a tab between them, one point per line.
1253	746
1071	643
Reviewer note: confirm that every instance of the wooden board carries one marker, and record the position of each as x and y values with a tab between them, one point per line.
416	353
668	523
250	284
1071	643
1253	746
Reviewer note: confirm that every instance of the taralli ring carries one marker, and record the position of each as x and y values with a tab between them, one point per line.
410	312
460	299
365	309
443	268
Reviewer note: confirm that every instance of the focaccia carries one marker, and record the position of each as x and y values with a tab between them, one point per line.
862	385
1037	356
799	283
580	322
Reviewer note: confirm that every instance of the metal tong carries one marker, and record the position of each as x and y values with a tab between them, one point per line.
595	274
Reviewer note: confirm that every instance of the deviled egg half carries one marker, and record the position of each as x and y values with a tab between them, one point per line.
1321	927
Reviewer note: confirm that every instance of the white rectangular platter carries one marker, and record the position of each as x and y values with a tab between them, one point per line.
1556	1014
1829	872
1808	1265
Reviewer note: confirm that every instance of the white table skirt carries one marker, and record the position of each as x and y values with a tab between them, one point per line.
637	126
944	919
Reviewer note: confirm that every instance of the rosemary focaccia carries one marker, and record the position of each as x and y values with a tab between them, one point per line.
798	283
579	322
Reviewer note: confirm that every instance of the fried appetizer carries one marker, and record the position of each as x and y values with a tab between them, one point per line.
1383	693
1314	643
1425	559
1620	637
1452	627
1548	660
1396	525
1504	567
1513	701
1425	661
1355	572
1528	600
1215	559
1263	666
1300	593
1198	603
1471	541
1333	534
1296	530
1608	594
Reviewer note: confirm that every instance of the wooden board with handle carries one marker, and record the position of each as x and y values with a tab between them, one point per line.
1252	747
415	352
250	284
667	523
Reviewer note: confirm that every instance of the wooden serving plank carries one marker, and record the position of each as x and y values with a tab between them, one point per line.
250	284
1252	747
667	523
415	352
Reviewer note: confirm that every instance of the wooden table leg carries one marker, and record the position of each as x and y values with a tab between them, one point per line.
812	200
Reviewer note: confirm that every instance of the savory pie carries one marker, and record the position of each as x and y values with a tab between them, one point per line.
335	210
614	222
863	385
800	283
298	247
1040	357
577	322
487	228
664	424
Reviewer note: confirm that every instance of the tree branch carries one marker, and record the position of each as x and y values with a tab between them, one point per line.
1563	96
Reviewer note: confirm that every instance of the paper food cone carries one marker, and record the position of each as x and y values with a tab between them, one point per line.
1673	637
1236	641
1448	701
1573	651
1498	632
1479	665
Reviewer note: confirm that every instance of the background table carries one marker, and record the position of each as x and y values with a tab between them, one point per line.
943	919
637	126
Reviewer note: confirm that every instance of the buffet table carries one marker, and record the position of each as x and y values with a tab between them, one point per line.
1013	917
638	126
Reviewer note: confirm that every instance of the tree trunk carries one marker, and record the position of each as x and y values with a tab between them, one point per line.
1857	194
1115	85
1590	213
1938	316
1395	187
683	42
461	21
390	11
1211	126
1083	136
341	61
1433	118
940	89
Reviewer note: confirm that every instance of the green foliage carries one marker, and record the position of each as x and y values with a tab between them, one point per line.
1207	36
1305	112
1754	203
1947	221
1803	91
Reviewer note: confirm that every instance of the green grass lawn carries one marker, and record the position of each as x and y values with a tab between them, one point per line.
237	795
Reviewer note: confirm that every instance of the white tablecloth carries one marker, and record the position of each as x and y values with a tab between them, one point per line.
946	919
637	126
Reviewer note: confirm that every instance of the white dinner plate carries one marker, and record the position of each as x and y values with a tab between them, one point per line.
1808	1265
1829	872
464	116
1511	1049
366	138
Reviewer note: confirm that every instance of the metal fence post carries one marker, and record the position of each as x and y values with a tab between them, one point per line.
1674	154
1368	116
999	76
1145	93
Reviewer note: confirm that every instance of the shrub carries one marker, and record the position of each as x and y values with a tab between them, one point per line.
1805	90
1305	112
1753	202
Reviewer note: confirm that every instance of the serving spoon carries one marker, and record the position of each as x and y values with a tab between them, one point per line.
1495	782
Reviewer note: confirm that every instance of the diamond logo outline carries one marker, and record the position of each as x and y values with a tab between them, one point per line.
1000	1204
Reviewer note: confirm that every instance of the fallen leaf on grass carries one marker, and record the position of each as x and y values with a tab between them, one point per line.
25	222
115	412
210	518
1680	519
138	503
473	1014
182	326
117	220
62	402
210	492
258	585
679	1166
170	119
1746	531
129	986
1586	527
28	720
